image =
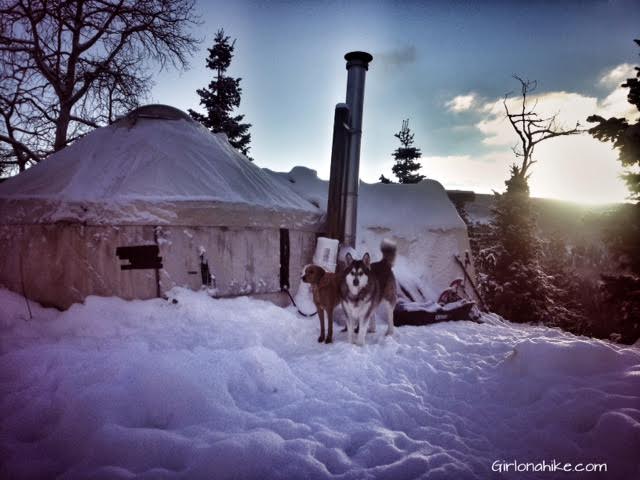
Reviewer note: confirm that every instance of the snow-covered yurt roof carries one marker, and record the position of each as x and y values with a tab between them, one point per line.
154	166
419	217
418	206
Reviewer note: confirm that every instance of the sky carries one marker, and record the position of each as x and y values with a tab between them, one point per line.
445	66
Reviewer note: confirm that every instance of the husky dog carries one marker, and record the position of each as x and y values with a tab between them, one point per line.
364	287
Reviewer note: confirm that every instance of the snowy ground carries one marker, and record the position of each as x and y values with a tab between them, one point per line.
217	389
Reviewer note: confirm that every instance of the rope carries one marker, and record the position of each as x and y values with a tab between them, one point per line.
284	269
294	304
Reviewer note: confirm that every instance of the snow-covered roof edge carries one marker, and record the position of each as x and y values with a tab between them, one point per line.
150	161
425	204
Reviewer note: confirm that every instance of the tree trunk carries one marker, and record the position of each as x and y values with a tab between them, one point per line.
62	127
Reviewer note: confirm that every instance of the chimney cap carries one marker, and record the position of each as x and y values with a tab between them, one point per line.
359	59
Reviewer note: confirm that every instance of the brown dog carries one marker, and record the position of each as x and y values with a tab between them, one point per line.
326	296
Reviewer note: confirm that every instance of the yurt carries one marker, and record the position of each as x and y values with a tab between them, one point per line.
150	202
419	217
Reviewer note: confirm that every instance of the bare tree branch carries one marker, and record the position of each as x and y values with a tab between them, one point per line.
68	67
531	128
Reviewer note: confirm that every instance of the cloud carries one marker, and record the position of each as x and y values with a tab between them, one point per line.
616	105
578	167
617	75
570	107
462	103
398	57
481	173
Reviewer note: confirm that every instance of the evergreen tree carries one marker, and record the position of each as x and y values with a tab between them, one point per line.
625	137
384	179
512	276
406	156
222	96
479	239
566	287
623	290
512	282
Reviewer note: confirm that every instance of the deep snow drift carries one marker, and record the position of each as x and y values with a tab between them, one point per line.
240	388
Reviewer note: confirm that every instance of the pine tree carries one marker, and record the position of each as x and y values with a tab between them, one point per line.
566	287
222	96
625	137
623	291
406	156
513	279
384	179
513	283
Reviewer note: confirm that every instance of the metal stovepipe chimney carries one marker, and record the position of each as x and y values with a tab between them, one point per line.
357	66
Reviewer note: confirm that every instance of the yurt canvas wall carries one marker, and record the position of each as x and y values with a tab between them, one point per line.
153	179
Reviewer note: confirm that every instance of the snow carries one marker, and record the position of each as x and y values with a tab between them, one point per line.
385	206
153	161
433	306
420	218
240	388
